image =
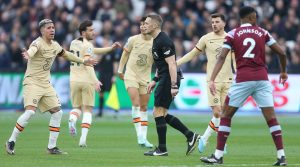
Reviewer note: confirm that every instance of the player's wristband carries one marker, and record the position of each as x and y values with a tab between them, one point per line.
156	79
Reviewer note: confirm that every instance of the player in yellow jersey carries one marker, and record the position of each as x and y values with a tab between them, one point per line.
211	45
83	80
37	89
138	59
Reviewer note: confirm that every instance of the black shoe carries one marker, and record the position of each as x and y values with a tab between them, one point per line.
10	147
280	162
55	150
156	152
212	160
191	143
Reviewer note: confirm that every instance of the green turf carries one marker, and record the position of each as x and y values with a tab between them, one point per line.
113	143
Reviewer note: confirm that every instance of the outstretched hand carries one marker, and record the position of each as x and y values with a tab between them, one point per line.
25	54
90	61
98	86
116	45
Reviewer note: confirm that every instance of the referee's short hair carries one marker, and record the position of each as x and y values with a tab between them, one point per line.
157	18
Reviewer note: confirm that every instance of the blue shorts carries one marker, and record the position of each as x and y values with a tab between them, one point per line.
261	91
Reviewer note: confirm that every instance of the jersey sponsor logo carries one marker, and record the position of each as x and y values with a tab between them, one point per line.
142	60
47	51
48	64
167	52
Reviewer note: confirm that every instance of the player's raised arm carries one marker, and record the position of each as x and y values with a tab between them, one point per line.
71	57
188	57
123	61
107	49
282	59
31	51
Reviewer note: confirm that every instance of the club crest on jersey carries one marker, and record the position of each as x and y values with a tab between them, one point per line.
90	51
167	52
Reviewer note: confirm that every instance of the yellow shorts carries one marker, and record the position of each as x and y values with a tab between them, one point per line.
219	98
82	94
40	97
142	87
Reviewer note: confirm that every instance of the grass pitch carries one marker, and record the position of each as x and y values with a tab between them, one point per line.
112	142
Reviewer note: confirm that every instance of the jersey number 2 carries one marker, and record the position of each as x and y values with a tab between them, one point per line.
248	53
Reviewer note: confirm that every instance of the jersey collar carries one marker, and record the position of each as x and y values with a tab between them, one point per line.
246	25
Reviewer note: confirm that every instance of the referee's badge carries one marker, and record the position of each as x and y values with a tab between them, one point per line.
155	55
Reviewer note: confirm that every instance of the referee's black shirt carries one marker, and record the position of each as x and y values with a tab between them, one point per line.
162	48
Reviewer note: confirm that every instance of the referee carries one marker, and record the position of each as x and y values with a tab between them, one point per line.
163	51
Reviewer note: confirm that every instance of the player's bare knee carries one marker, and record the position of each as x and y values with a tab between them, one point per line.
159	111
217	112
54	110
268	113
87	109
229	111
33	108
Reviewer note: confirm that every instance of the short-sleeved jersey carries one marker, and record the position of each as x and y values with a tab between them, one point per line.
248	43
140	58
39	65
211	45
162	48
78	72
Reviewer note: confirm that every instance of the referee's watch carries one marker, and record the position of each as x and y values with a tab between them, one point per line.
174	86
156	79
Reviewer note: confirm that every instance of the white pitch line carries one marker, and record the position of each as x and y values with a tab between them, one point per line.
233	165
256	165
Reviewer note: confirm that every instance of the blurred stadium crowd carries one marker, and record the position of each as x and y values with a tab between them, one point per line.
115	20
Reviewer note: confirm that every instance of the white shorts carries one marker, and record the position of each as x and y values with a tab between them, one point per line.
261	91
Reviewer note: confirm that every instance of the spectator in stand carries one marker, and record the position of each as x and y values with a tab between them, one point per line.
4	58
184	20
